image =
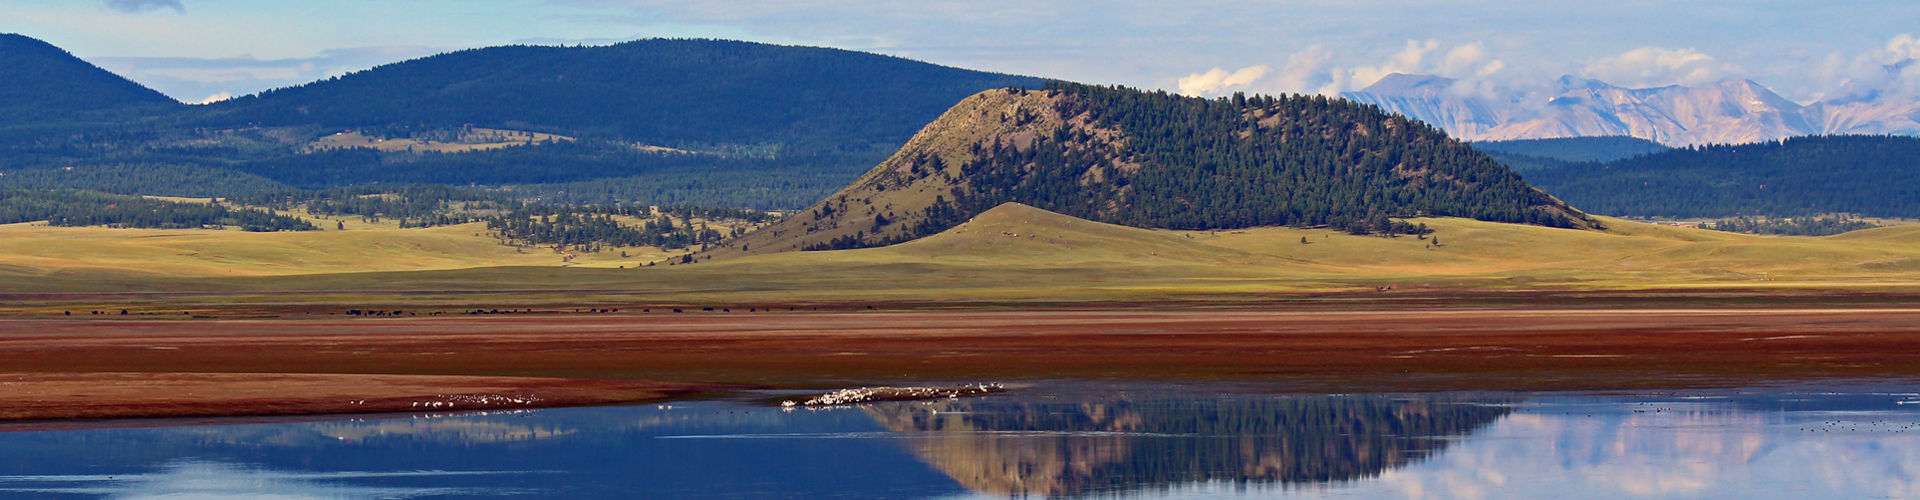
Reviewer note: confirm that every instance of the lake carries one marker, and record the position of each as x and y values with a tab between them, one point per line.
1061	439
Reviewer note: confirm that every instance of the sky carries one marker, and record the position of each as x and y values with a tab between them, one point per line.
1806	50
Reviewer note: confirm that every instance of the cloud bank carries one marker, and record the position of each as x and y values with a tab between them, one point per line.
1893	68
1655	67
1315	71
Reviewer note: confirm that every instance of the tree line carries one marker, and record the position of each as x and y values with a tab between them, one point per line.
586	227
81	208
1796	177
1791	226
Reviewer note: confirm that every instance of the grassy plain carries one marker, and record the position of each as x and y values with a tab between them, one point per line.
42	251
1012	255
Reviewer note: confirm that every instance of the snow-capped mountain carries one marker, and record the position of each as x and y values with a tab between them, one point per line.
1729	112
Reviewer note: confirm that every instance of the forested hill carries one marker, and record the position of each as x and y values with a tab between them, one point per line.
745	124
680	93
39	82
1866	175
1151	159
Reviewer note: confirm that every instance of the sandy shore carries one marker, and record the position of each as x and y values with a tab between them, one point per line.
73	396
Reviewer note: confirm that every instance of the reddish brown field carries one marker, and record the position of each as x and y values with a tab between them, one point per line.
1342	351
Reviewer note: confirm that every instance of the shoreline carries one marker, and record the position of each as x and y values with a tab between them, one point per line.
58	398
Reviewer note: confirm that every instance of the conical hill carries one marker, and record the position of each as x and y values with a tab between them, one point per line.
1155	160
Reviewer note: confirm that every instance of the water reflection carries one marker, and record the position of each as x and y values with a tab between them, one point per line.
1078	448
199	480
1822	446
1059	440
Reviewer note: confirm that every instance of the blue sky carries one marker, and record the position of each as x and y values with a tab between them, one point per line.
1806	50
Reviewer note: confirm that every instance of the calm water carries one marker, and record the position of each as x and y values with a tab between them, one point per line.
1048	440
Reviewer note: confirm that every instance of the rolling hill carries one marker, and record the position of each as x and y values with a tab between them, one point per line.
694	94
43	83
1155	160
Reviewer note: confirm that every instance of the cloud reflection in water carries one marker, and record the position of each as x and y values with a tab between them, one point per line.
1684	449
200	480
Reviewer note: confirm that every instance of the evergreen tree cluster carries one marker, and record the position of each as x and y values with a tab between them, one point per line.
562	162
1793	226
1797	177
81	208
1575	149
413	206
586	227
590	228
190	181
782	184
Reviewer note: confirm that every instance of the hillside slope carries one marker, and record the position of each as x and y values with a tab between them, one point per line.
1160	161
42	82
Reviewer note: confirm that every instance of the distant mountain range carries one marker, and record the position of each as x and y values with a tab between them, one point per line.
1730	112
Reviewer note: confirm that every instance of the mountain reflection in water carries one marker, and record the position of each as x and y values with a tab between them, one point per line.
1086	447
1054	439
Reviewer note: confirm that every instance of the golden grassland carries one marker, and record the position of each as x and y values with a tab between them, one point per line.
61	251
1012	254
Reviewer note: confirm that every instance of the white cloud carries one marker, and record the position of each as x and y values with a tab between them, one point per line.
222	481
1883	70
145	5
1218	80
1411	59
215	98
1904	46
1658	67
1471	59
1314	70
1306	71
